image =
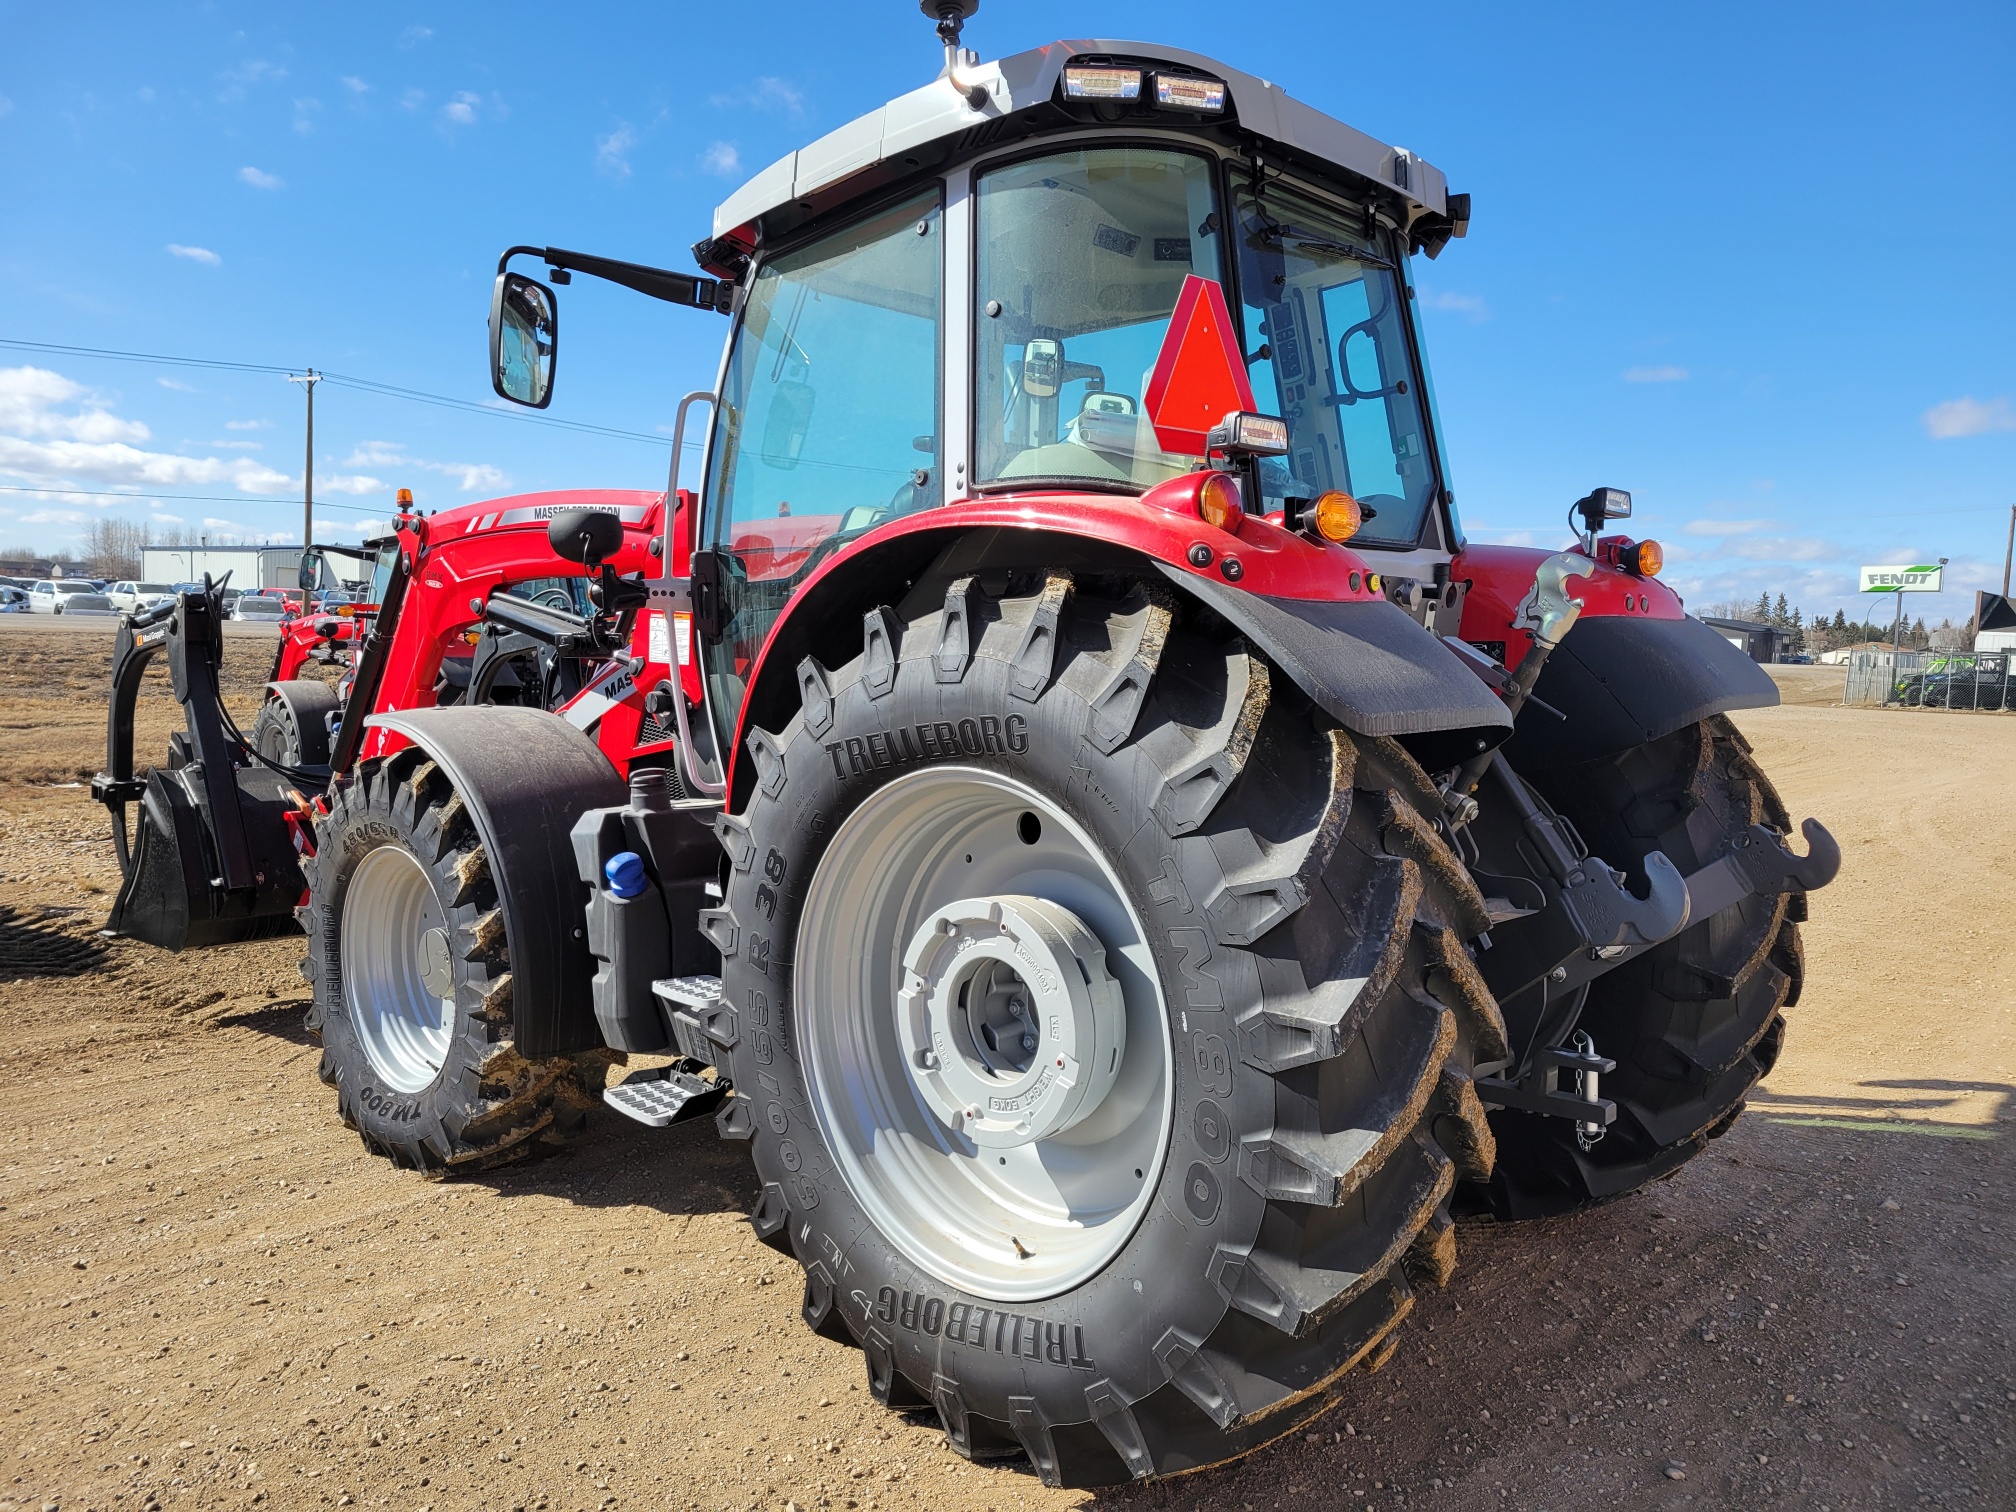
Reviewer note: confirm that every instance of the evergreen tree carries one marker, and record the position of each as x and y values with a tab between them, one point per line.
1761	613
1778	614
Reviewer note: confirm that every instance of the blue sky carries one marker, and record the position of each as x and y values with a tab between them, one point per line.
1752	262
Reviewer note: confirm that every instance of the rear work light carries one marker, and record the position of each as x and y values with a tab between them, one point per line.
1102	83
1188	92
1253	435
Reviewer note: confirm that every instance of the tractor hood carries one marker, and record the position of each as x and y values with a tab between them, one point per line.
1018	97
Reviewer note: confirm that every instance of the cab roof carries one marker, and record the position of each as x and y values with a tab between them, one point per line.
933	122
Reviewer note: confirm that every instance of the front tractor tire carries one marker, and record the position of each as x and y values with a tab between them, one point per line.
292	726
1694	1023
411	968
1101	1020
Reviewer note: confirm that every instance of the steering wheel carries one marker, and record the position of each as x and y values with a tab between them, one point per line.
554	598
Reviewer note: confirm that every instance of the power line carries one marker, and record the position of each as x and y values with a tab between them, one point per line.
346	380
143	498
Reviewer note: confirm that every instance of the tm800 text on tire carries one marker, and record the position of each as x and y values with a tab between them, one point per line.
1101	1018
411	967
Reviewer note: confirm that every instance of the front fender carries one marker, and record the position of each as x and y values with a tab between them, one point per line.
526	776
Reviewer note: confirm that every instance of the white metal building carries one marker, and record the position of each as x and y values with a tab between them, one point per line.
249	566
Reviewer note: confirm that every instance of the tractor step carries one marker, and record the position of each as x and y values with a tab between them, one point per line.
699	1018
675	1097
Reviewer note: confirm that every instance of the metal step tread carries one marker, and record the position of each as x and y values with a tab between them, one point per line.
672	1098
691	992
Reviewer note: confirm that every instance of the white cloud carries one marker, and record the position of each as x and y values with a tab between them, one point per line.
216	524
413	99
612	152
248	425
55	433
259	179
255	71
721	158
305	110
1469	305
1666	373
238	445
201	255
390	455
413	36
1968	417
767	93
177	385
1725	527
462	109
351	483
354	84
162	517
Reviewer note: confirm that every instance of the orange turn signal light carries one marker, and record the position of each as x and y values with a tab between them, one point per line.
1649	558
1337	515
1218	502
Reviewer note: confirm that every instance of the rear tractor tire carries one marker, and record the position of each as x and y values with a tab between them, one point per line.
411	970
1101	1020
1692	1024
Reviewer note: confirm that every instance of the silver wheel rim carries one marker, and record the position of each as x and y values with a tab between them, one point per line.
398	979
906	1010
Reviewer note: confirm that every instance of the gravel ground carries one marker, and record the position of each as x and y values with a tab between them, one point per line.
214	1298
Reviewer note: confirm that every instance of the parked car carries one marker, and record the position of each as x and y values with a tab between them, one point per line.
260	607
132	596
91	605
50	595
13	600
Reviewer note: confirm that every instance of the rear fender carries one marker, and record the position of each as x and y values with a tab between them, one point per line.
1635	667
1358	657
526	777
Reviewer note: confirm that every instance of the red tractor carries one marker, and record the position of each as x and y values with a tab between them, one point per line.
1131	872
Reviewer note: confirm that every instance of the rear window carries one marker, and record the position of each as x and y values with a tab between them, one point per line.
75	588
152	588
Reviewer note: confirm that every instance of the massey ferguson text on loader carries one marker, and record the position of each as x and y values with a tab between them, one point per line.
1128	868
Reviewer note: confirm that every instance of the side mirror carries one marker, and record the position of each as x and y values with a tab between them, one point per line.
587	536
1601	504
787	424
1042	368
310	575
524	340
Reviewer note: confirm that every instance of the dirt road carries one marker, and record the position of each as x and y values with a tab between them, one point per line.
213	1298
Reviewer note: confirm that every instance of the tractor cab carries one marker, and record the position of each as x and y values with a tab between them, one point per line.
1049	277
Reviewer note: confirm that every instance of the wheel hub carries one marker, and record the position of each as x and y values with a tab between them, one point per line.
1010	1021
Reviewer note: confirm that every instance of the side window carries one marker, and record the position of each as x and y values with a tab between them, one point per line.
1081	257
1326	325
828	423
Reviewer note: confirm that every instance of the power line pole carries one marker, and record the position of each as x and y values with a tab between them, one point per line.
2009	551
308	470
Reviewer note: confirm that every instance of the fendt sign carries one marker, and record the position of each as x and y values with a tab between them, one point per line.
1901	579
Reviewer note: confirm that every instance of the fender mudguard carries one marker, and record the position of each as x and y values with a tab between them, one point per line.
526	776
1622	681
1367	665
311	703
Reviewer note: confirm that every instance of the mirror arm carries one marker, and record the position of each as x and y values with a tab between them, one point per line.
658	283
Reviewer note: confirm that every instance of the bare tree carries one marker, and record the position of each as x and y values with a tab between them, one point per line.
112	547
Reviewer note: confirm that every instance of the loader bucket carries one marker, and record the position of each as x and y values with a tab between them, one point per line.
173	895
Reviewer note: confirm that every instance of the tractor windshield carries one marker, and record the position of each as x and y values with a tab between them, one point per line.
1326	320
1081	257
828	421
